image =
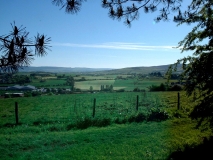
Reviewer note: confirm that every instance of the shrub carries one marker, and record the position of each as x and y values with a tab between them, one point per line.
120	121
136	89
36	94
70	126
101	122
131	119
161	87
157	115
54	129
50	94
140	117
88	122
7	95
121	90
84	123
77	89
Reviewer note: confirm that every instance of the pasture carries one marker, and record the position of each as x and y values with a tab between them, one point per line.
95	77
46	128
96	84
68	108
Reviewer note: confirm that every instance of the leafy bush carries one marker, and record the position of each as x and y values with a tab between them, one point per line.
120	121
50	94
77	89
136	89
121	90
88	122
157	115
7	96
139	117
161	87
101	122
27	94
36	94
153	115
131	119
84	123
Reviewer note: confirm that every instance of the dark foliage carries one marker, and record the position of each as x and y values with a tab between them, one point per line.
136	89
107	88
161	87
14	79
70	81
89	122
153	115
157	115
16	49
156	74
121	90
202	151
197	69
129	10
36	93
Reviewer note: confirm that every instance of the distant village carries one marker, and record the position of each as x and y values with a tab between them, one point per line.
20	91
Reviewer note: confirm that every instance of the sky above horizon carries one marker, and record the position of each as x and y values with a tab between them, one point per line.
91	39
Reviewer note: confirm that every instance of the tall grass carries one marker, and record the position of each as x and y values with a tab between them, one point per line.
72	108
46	130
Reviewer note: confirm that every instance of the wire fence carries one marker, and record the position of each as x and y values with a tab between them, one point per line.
71	108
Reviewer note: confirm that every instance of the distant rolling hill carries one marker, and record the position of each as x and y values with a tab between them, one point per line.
142	70
61	69
129	70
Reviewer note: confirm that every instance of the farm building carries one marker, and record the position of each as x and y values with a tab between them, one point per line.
7	95
22	88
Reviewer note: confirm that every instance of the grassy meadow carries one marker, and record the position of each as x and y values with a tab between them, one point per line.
47	127
96	84
68	108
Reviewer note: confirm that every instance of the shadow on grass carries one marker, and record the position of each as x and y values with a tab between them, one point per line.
202	151
10	125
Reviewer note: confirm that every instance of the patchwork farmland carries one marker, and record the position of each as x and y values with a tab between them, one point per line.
95	124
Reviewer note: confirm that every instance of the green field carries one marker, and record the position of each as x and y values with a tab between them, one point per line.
68	108
94	77
96	84
45	130
128	84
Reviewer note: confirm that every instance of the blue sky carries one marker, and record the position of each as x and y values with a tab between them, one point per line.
92	39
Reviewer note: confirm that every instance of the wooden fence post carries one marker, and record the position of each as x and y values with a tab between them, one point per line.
178	104
94	102
16	112
137	103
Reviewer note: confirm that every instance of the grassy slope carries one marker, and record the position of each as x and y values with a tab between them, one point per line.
139	70
68	107
147	140
156	140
